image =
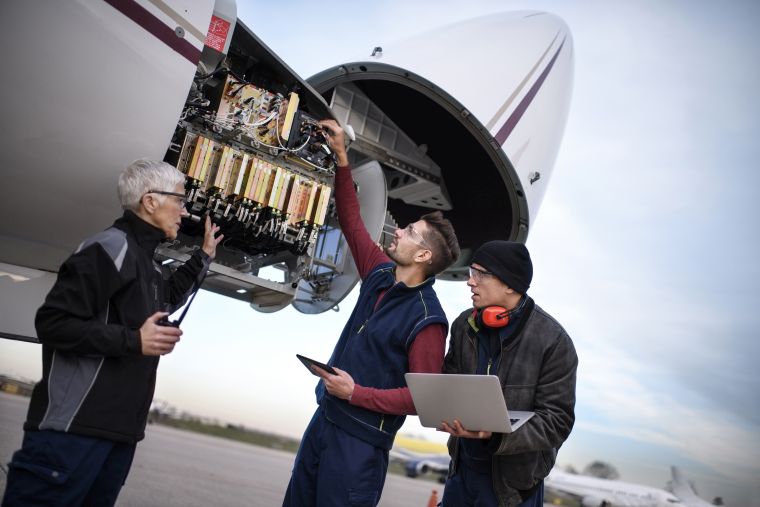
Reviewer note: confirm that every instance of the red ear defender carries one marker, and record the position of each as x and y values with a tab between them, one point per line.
494	316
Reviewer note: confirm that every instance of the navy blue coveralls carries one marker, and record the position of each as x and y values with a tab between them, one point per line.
343	457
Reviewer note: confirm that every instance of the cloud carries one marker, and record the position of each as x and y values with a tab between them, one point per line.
658	363
616	399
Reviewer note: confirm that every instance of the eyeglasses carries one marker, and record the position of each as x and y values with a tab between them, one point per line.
478	274
182	197
415	236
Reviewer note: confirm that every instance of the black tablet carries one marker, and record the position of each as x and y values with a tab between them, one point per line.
311	362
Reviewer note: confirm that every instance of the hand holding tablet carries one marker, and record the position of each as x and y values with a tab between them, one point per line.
311	362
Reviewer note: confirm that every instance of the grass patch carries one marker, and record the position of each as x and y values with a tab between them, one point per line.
230	432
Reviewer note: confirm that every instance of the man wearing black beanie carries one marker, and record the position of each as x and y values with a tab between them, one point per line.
508	335
509	261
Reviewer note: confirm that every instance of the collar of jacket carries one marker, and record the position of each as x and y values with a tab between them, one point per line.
522	316
390	281
147	235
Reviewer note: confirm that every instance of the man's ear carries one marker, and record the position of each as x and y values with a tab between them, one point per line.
424	256
149	203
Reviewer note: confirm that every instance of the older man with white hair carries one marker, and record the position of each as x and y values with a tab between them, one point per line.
101	340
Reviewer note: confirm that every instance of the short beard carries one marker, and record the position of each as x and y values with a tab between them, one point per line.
393	255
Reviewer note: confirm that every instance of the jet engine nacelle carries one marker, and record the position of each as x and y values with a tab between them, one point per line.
466	119
416	468
592	501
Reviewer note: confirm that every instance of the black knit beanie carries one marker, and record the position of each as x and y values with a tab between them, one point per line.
509	261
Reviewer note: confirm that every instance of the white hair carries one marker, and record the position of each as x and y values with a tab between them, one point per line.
144	175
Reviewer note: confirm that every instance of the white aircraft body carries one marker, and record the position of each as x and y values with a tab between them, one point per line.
595	492
466	119
684	490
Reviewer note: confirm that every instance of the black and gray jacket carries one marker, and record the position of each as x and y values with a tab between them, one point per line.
95	380
537	372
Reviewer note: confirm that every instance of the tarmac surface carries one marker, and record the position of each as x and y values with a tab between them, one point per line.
184	469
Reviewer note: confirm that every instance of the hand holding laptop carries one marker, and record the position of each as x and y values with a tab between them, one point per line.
456	429
472	406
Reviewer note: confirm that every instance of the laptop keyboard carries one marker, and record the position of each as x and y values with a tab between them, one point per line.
513	421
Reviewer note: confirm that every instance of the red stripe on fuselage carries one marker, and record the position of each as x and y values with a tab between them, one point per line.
157	28
511	123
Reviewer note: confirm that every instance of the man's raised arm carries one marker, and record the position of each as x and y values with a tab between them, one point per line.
365	251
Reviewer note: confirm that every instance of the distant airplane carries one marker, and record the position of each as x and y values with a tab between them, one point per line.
420	457
466	119
416	464
414	455
595	492
684	490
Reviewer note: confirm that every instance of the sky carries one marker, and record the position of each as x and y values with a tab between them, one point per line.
644	248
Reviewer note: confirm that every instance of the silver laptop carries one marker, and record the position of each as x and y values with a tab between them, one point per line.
476	400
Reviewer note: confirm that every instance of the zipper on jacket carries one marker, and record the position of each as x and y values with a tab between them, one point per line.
488	368
382	421
156	301
380	303
375	307
475	348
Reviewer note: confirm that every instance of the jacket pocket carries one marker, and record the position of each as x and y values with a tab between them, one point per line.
519	397
51	455
548	459
517	470
362	498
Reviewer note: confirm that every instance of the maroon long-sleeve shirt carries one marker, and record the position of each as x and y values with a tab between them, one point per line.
426	352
